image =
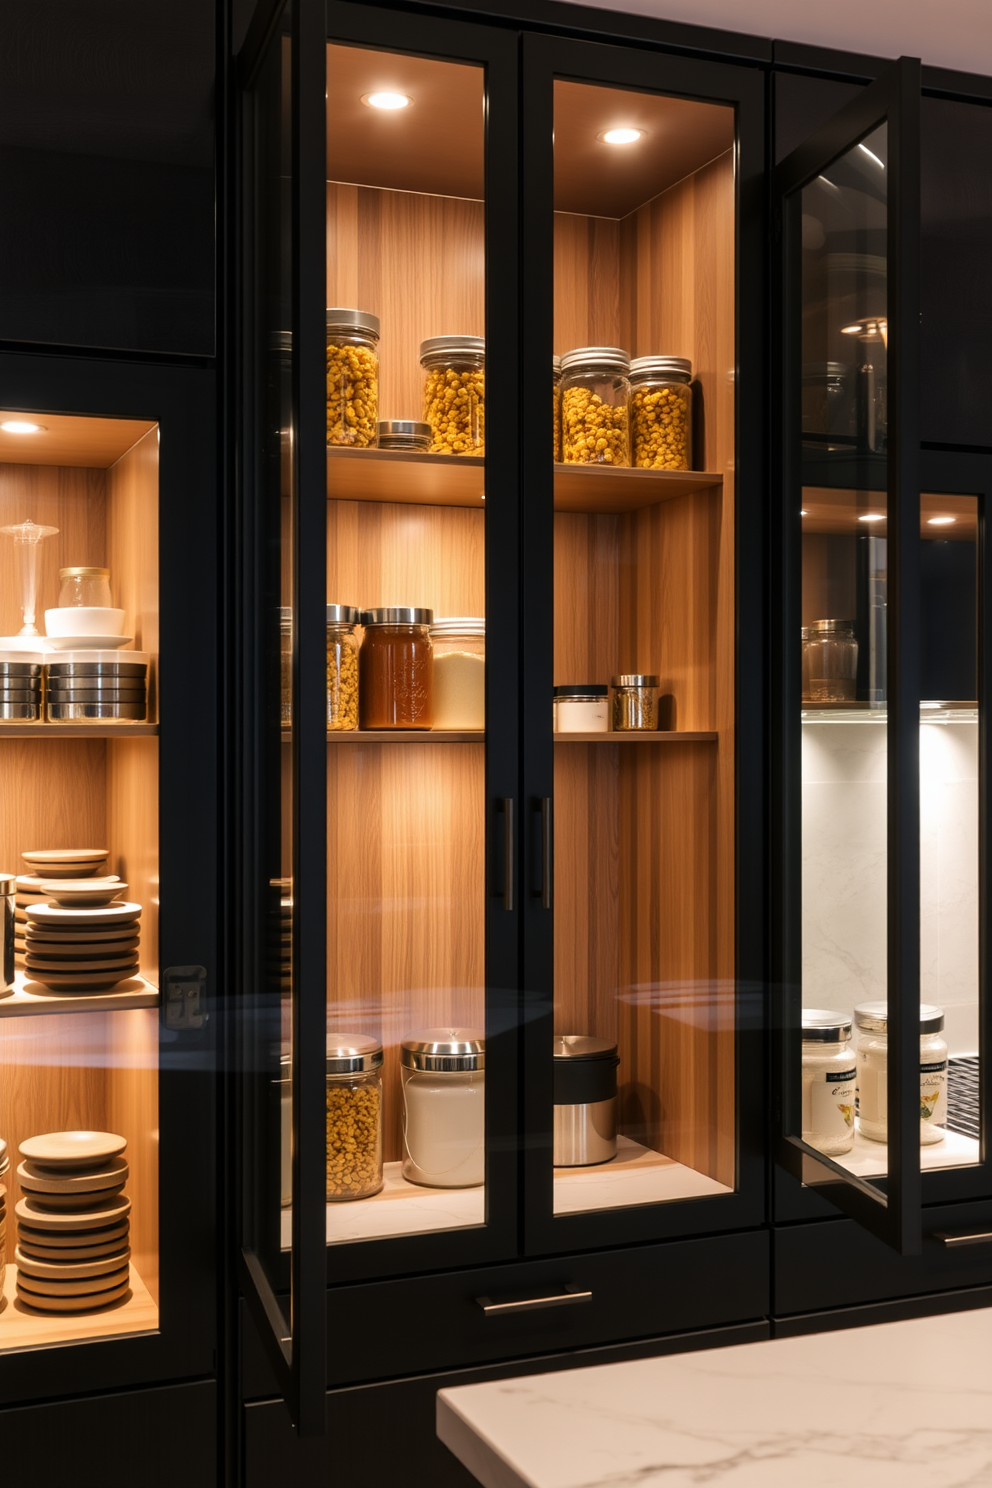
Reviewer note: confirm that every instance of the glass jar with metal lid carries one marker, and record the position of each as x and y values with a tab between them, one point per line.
444	1107
396	669
661	413
872	1022
79	587
833	661
404	434
595	398
635	701
829	1080
352	377
455	393
806	694
8	894
581	708
556	380
826	406
585	1100
342	667
459	644
354	1117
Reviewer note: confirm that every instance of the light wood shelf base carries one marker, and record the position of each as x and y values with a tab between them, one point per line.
21	1327
642	736
30	998
869	1159
400	1208
42	730
635	1176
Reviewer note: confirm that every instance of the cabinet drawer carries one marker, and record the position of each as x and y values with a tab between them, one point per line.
834	1263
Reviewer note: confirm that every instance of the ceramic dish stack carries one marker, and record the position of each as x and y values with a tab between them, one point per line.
72	1223
82	937
28	892
91	686
20	686
281	933
4	1165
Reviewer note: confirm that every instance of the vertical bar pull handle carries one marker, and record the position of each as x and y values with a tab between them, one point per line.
547	855
506	806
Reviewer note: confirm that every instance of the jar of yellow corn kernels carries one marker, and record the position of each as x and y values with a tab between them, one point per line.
595	393
354	1117
342	667
661	413
455	393
556	378
352	377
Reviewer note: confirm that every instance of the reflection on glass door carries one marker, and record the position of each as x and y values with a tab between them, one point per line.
643	707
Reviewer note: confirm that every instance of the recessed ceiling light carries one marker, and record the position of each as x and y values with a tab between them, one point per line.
387	100
621	136
21	426
941	521
872	517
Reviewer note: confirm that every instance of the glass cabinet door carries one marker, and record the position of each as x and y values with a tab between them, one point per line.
635	1066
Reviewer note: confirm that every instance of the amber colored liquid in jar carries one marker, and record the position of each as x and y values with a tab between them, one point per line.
396	678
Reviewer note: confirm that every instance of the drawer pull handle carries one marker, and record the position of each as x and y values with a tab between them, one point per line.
566	1298
506	806
964	1237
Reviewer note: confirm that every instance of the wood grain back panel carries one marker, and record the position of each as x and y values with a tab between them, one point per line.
133	828
132	1110
588	581
380	553
74	501
587	888
52	794
587	282
132	549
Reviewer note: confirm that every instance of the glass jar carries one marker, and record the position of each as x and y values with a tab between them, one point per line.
342	667
805	693
459	673
84	587
444	1107
829	1082
455	393
352	377
595	397
285	664
396	669
556	380
833	661
635	701
403	434
354	1118
581	708
872	1020
826	407
661	413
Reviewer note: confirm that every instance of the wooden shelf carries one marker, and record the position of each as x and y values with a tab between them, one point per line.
641	736
122	730
459	480
29	998
21	1327
399	736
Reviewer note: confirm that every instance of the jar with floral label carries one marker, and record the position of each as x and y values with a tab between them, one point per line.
829	1080
872	1021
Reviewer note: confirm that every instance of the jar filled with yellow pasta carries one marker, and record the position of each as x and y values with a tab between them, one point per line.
342	667
661	413
352	377
556	379
455	393
595	393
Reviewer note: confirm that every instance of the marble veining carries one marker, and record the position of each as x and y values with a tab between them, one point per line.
898	1405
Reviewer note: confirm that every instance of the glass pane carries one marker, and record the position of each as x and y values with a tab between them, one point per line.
644	893
406	542
79	853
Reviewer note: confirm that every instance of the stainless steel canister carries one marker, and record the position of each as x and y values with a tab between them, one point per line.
97	686
8	884
20	687
585	1098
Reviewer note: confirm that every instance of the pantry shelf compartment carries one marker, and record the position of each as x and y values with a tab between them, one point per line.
642	736
135	1313
122	730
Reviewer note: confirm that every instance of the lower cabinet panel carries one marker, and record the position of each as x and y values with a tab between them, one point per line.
834	1263
158	1438
383	1436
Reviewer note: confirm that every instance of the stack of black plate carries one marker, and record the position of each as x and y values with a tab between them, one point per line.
20	687
97	685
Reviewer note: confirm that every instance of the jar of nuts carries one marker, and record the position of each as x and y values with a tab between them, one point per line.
556	379
594	397
354	1117
635	701
342	667
352	377
661	412
454	393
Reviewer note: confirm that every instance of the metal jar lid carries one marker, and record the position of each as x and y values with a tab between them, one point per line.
131	671
14	661
823	1027
581	690
583	1046
635	679
7	882
873	1017
438	350
397	615
84	573
352	1054
473	625
831	627
339	319
403	429
444	1051
343	615
660	366
613	358
556	367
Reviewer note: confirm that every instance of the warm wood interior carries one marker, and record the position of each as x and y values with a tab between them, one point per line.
838	511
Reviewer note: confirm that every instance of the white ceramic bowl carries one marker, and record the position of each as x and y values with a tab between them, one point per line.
84	620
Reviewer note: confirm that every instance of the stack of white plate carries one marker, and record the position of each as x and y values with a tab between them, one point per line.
72	1223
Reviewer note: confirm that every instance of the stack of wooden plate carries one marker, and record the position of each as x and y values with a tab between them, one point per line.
280	932
77	948
4	1165
46	865
72	1223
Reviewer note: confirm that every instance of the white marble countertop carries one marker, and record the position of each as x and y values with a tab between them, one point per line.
896	1405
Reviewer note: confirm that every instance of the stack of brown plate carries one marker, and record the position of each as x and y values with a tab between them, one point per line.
66	862
80	947
4	1165
36	888
280	932
72	1223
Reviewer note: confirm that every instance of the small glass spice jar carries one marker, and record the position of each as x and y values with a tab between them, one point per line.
635	701
455	393
342	667
459	672
396	669
444	1107
403	434
352	377
286	664
829	1081
595	397
556	379
661	413
354	1117
833	661
84	587
872	1022
581	708
807	696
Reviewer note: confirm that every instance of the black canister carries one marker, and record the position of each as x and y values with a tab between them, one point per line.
585	1100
